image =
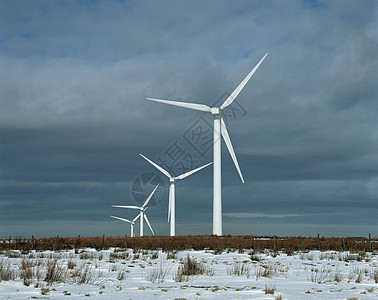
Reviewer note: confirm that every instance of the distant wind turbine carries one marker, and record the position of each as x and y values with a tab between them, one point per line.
142	212
128	221
219	129
172	179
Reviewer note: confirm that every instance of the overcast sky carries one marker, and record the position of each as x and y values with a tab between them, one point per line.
74	76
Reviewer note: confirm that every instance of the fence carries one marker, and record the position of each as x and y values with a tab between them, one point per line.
197	242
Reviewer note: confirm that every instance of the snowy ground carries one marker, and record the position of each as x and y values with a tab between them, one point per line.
120	274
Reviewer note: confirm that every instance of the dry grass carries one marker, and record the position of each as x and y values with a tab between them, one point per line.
158	274
71	264
270	289
26	271
190	267
168	243
7	272
121	275
338	276
319	275
172	255
370	290
264	271
55	272
239	269
86	276
254	256
360	276
374	275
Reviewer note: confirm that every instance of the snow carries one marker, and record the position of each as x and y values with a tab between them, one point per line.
153	274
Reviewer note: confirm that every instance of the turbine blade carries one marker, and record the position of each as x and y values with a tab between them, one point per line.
227	140
150	196
136	218
156	166
236	92
122	219
182	176
123	206
148	223
201	107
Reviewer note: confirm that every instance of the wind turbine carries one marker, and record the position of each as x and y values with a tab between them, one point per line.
142	211
172	179
219	129
131	223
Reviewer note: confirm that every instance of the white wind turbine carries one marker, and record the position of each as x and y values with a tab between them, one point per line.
219	129
128	221
172	179
142	214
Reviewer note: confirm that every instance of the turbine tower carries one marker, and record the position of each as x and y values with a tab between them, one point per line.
171	202
142	211
219	130
128	221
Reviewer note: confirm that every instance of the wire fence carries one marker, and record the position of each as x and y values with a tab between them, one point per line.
197	242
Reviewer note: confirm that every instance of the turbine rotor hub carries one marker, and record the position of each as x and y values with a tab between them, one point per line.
215	110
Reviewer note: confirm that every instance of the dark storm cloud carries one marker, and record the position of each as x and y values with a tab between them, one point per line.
74	78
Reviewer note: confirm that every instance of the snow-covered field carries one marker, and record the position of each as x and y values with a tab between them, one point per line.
120	274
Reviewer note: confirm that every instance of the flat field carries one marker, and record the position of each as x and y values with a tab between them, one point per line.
118	273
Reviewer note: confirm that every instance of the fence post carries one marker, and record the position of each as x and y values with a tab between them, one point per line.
342	239
318	242
199	242
103	241
370	242
300	243
33	242
126	241
274	243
